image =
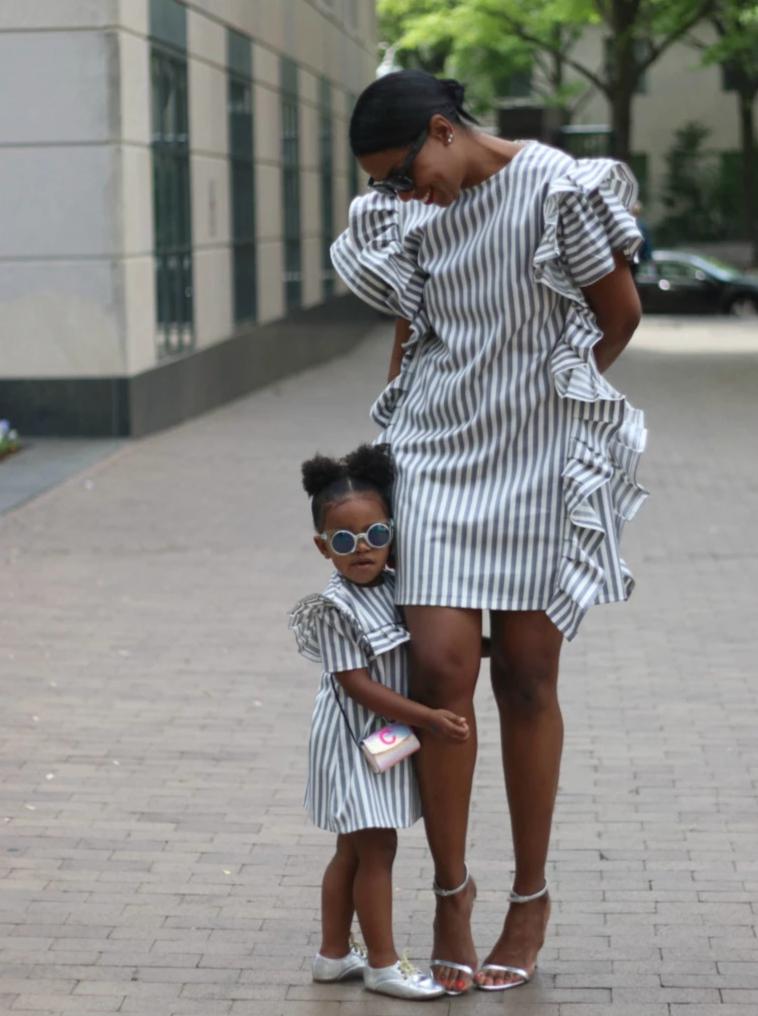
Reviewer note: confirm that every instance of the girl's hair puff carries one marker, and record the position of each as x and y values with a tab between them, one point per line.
328	481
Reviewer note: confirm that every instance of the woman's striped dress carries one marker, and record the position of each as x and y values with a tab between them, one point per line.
349	627
516	459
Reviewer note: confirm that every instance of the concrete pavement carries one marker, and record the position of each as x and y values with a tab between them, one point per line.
154	856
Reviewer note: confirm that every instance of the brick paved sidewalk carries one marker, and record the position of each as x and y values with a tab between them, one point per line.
154	857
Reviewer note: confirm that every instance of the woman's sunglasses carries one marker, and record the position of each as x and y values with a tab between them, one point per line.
343	542
400	180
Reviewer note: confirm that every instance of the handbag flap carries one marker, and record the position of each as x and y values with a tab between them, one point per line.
388	738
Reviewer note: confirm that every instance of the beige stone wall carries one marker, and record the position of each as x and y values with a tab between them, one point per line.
77	297
678	89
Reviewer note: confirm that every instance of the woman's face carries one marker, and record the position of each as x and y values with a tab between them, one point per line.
437	170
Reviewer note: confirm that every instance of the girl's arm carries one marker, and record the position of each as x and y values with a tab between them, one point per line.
616	304
359	685
402	334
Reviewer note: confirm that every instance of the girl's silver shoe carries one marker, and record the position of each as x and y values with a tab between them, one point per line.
324	968
402	980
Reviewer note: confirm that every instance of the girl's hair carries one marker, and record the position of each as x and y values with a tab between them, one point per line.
327	481
394	109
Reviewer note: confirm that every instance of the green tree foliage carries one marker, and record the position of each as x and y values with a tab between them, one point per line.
637	33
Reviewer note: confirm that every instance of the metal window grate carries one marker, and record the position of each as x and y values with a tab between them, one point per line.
242	179
353	181
171	201
326	149
293	273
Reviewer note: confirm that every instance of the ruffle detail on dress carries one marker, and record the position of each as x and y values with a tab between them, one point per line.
376	260
391	396
379	263
305	615
586	220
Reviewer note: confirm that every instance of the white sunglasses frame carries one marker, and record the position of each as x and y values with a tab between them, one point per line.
358	537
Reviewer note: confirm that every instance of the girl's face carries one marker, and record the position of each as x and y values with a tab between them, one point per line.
356	513
437	170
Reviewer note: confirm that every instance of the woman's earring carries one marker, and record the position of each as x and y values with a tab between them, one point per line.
450	138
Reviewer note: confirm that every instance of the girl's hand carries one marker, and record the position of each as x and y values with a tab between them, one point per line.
443	723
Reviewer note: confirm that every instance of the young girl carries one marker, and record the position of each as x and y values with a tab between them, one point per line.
353	628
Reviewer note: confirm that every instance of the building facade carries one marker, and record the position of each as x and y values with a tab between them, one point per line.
172	175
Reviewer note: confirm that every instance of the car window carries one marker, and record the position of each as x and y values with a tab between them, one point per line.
647	272
679	271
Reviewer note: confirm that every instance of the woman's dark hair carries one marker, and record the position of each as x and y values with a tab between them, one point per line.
327	481
394	109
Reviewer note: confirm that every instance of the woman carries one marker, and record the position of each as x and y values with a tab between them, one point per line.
507	267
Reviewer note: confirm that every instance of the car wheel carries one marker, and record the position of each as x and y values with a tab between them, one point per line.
744	306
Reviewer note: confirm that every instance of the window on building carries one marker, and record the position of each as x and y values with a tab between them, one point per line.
730	77
642	49
352	163
293	273
638	163
171	178
242	175
326	162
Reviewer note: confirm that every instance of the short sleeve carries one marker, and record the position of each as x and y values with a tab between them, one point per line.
376	261
339	646
587	218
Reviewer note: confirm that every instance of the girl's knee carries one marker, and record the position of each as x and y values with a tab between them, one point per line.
376	843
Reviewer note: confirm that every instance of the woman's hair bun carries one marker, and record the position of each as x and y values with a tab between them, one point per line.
371	463
319	472
455	90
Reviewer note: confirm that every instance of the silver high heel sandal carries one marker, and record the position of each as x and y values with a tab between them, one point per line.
463	968
496	968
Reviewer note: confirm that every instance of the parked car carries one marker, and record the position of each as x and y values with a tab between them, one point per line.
677	282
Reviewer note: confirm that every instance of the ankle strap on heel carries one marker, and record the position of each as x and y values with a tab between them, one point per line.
458	889
515	897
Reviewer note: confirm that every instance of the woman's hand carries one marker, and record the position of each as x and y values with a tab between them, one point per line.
445	724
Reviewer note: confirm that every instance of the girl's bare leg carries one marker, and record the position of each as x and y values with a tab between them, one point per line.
526	647
372	892
445	658
337	900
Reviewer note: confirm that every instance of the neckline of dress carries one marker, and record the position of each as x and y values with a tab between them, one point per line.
525	145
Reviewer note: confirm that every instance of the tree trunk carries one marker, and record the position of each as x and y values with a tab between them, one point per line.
622	75
621	121
749	180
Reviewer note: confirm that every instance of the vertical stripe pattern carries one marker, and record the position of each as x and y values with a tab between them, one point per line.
516	459
351	627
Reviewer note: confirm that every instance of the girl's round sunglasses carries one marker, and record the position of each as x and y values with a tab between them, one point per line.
343	542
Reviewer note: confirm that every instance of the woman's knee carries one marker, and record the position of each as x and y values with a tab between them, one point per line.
445	655
525	686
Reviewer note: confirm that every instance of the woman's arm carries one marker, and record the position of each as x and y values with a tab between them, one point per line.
402	334
383	701
616	304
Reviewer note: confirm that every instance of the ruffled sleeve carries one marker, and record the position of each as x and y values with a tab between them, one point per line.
323	634
587	218
376	261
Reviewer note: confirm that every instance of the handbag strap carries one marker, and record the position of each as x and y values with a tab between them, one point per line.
342	710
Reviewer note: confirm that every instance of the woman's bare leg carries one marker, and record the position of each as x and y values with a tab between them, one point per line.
445	658
337	900
526	647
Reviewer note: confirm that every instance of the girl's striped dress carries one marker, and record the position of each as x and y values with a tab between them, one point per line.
349	627
516	459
